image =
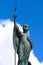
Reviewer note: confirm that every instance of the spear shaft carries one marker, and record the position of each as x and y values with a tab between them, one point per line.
15	32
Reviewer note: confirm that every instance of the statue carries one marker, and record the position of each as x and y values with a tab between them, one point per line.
22	44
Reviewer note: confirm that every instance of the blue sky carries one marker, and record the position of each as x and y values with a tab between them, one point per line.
30	12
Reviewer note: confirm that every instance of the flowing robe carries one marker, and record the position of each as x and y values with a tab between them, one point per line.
22	45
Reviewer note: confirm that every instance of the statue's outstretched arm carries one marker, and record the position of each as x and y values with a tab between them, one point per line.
17	31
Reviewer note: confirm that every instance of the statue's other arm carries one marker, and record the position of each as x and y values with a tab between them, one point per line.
30	42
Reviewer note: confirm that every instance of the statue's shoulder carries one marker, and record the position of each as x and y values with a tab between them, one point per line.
25	35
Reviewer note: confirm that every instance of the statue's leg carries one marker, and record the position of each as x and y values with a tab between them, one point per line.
25	62
21	63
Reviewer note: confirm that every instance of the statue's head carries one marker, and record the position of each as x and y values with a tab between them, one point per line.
25	28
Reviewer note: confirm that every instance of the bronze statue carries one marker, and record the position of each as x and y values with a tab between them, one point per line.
22	43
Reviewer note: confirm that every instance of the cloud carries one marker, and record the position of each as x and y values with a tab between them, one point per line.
7	52
34	60
6	46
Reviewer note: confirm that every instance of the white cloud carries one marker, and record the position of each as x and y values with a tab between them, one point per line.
6	45
34	60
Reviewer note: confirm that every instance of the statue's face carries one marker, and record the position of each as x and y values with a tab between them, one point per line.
25	28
